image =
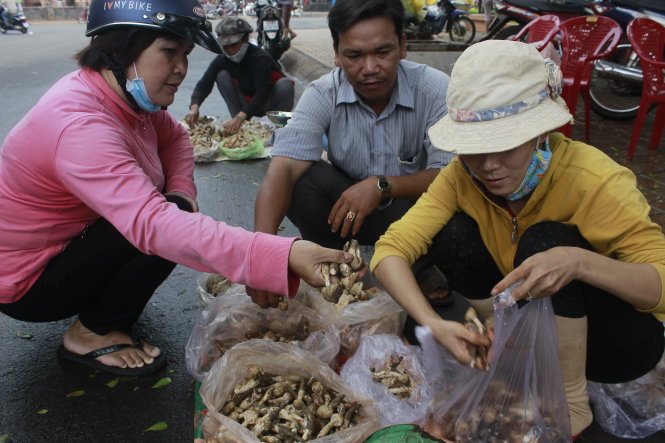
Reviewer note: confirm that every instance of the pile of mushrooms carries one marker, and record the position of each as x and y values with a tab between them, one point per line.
279	408
394	377
341	280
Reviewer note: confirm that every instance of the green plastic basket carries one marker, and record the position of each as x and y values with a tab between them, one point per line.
401	434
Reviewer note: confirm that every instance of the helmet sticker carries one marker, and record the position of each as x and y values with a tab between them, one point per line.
126	4
199	11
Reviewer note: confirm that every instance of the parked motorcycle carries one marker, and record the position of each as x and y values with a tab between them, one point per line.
616	82
433	18
17	22
270	29
522	12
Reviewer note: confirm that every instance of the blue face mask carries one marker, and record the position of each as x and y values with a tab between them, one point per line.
539	163
137	89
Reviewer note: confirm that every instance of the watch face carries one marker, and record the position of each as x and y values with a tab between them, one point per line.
384	184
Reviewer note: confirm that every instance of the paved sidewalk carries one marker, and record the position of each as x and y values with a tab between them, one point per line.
312	55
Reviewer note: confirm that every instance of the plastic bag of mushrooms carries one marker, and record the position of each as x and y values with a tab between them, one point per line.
389	371
354	302
262	391
520	398
233	318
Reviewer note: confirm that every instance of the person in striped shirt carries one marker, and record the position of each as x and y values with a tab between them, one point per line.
373	113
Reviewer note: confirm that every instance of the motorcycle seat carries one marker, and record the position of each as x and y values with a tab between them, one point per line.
545	6
653	5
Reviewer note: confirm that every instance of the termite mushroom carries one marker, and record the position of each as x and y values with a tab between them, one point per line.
478	353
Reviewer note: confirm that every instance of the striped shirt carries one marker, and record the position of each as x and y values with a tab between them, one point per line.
361	143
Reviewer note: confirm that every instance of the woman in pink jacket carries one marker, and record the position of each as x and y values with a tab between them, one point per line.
97	198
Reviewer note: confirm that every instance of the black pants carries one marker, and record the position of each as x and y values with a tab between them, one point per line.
314	195
623	344
100	276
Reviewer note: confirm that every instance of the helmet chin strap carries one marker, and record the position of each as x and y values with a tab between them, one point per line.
116	64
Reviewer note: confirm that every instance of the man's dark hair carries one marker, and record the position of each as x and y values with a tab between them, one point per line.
121	43
346	13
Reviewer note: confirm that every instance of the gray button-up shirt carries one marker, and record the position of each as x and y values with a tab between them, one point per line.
359	142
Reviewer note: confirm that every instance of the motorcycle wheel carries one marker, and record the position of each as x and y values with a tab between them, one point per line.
274	48
508	33
462	29
24	29
612	98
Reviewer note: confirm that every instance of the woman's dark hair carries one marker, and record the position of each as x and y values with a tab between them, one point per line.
346	13
120	43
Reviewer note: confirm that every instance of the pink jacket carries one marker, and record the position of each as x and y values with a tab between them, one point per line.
82	153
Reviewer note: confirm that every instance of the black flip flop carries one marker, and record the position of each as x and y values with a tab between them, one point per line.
90	360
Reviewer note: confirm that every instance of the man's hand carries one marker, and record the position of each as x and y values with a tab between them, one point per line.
356	203
264	299
192	118
233	126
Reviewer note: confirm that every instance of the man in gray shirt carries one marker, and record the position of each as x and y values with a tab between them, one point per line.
375	110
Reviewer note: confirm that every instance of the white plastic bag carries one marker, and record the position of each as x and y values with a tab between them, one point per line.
379	315
227	319
634	409
373	352
278	359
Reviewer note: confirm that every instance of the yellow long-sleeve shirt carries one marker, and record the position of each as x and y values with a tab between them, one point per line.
582	187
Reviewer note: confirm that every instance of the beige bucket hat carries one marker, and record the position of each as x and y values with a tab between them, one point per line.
501	94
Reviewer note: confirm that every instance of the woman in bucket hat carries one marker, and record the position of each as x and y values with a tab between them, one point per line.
521	202
97	196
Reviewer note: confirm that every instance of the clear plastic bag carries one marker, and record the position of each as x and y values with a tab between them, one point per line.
279	359
230	317
373	352
209	286
379	315
521	397
635	409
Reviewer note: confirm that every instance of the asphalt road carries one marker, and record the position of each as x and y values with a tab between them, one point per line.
34	383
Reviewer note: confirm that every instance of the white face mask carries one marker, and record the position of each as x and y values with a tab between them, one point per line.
238	56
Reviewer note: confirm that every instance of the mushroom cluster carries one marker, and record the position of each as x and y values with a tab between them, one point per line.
341	280
205	134
299	334
478	353
394	377
502	416
280	408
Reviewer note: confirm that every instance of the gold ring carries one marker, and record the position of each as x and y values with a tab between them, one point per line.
350	216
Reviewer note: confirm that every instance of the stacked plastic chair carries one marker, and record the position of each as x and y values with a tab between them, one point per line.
539	31
583	40
647	38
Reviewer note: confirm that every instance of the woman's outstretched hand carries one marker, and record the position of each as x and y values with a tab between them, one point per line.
305	259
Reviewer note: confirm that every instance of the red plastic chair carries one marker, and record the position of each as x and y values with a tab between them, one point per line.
539	31
647	38
584	40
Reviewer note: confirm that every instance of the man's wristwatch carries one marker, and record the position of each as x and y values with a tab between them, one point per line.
384	186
